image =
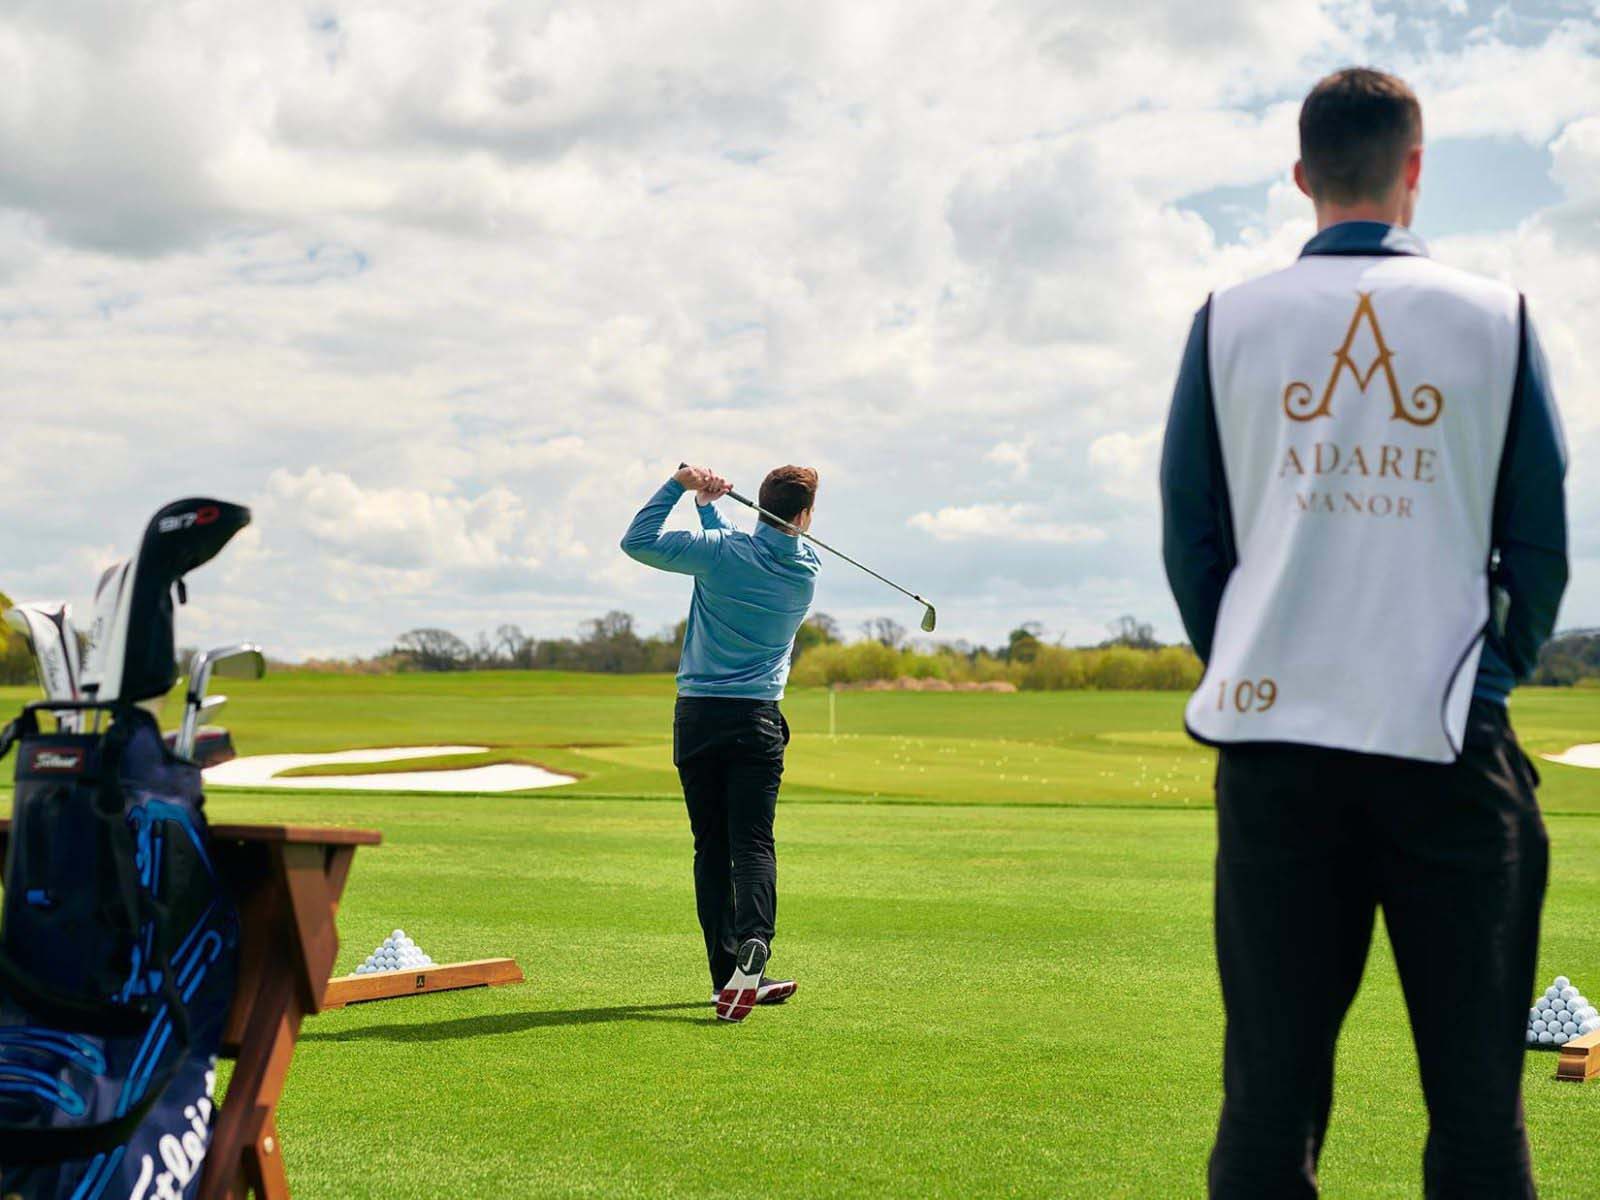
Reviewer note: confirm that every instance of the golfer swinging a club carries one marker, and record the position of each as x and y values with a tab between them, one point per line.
1365	532
751	593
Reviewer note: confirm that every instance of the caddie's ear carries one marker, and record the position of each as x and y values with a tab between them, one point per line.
1300	180
1412	171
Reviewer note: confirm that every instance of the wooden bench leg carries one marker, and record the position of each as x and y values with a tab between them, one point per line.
294	920
263	1164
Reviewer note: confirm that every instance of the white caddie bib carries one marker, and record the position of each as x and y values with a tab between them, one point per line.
1361	404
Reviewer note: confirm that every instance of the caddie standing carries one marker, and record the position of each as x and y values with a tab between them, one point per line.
1365	532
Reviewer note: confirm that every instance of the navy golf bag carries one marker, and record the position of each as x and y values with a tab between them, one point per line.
118	959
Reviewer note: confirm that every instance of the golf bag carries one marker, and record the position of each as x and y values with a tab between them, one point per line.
118	959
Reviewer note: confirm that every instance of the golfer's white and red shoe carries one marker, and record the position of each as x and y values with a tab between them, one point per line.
771	991
742	992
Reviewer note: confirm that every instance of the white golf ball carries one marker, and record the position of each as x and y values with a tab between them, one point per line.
1570	1028
1558	1005
1590	1025
1550	993
1561	1039
1532	1037
1546	1038
1540	1027
1562	981
1569	992
400	933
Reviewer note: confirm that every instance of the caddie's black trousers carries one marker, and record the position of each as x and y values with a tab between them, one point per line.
1310	843
729	755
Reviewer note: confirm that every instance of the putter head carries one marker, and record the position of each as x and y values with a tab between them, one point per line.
928	620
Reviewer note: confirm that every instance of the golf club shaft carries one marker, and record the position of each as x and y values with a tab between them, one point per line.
816	541
927	617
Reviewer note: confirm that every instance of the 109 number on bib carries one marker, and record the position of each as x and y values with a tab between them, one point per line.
1247	695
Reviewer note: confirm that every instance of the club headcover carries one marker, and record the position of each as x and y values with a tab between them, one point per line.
48	628
132	653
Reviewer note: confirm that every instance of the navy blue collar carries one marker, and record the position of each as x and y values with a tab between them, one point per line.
780	539
1365	239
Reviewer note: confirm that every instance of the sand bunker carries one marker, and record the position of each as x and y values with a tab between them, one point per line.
1579	756
262	770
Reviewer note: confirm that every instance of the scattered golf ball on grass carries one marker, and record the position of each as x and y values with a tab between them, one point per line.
1560	1015
397	953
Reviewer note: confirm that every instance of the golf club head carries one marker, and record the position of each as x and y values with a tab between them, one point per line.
243	660
928	620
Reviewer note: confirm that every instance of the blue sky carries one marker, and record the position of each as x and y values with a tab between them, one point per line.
444	290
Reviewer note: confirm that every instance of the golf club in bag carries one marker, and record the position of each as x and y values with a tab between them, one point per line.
244	661
118	941
929	617
54	642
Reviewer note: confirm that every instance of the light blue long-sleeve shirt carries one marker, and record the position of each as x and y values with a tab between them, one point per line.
751	593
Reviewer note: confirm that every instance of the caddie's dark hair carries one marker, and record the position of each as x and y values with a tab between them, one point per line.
1356	128
787	492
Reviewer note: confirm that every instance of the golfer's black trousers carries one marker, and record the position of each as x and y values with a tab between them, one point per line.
729	755
1310	843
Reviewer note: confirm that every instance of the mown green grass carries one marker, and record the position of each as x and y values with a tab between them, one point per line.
1006	984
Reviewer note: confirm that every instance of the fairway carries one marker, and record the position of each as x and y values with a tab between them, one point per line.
998	908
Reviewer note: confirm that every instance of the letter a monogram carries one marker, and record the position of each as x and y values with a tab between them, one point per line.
1426	401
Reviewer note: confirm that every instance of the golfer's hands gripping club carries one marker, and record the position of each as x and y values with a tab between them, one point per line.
707	486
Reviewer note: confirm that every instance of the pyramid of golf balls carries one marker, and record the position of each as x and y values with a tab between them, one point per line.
398	953
1560	1015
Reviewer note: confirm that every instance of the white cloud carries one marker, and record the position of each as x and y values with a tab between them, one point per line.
399	528
1126	463
1014	456
445	291
1002	522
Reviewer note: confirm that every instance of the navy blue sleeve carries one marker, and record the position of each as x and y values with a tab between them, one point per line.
1197	520
1530	517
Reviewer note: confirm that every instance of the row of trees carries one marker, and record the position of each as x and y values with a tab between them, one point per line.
1568	658
608	644
1130	657
16	662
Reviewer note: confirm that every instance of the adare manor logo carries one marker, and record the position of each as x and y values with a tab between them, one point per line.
1423	407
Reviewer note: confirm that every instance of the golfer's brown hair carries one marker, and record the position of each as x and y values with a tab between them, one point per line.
1356	127
787	492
